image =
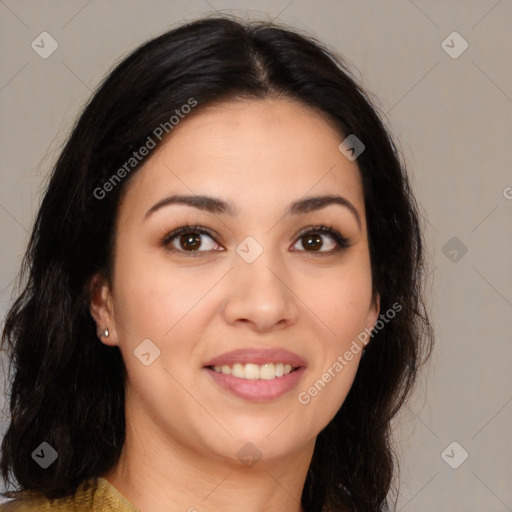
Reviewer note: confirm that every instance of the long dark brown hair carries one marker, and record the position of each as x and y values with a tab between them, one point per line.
67	388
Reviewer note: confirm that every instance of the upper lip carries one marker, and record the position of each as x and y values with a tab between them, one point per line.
257	356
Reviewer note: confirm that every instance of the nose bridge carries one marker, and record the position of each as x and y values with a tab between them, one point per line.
258	263
260	293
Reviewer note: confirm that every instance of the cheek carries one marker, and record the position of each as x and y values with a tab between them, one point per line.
150	295
343	302
342	306
163	303
158	303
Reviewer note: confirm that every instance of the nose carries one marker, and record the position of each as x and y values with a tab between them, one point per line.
260	294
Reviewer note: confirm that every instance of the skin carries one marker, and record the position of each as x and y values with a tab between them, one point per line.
183	430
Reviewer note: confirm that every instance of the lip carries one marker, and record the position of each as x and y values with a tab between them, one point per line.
257	390
258	356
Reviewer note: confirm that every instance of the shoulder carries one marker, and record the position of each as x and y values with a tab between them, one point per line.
81	501
94	495
22	505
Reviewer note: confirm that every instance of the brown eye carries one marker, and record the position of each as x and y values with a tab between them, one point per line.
189	239
314	240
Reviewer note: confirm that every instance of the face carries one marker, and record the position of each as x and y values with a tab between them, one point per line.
254	287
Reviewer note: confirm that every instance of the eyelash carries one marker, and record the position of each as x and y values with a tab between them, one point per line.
343	242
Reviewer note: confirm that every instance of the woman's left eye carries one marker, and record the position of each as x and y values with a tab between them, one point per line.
187	239
313	237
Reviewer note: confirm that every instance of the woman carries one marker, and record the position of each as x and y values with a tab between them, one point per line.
223	304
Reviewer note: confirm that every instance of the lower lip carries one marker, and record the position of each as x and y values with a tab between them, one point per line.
258	390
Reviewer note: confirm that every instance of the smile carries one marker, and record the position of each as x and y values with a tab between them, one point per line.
253	371
256	374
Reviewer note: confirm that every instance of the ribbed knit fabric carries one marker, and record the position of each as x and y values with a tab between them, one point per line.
99	496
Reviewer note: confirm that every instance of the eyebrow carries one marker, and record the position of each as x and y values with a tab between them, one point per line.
216	205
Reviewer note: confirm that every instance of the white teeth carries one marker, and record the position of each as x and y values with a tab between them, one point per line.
253	371
267	371
237	370
226	369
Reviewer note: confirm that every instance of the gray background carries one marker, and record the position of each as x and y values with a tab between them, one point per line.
453	117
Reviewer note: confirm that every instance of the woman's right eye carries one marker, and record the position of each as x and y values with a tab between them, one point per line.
187	239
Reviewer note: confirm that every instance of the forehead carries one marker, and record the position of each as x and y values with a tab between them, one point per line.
255	153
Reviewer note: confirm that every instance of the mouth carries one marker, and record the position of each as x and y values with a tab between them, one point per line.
260	375
252	371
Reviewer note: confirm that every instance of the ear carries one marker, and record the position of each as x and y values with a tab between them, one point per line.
101	307
373	312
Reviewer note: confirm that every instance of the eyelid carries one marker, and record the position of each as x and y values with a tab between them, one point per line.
324	229
342	241
186	228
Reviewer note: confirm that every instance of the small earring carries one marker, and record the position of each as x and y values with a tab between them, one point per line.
104	334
